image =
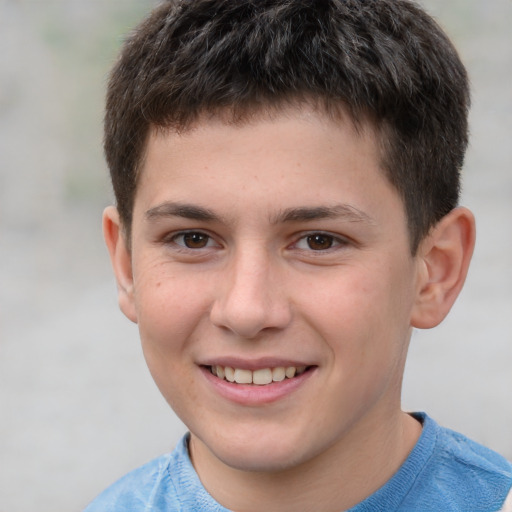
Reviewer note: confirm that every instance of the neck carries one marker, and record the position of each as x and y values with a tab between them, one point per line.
335	480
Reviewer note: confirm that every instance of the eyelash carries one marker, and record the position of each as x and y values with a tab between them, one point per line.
333	242
183	234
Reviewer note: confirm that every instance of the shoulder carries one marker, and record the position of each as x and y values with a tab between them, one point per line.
164	484
139	489
445	471
463	453
461	474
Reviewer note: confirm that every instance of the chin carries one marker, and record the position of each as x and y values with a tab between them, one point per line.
255	462
257	455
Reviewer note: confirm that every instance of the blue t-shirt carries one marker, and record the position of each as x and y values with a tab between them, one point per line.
444	472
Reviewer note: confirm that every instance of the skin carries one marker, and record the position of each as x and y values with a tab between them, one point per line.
248	286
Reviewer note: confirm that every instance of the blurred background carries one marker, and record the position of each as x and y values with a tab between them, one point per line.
78	408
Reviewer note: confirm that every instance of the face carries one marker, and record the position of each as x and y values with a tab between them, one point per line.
276	253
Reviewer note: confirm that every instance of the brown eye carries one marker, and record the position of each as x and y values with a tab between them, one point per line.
319	242
193	240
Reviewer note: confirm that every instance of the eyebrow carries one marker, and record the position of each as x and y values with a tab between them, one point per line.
184	210
345	212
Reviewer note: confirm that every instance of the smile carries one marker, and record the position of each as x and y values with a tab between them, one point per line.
259	377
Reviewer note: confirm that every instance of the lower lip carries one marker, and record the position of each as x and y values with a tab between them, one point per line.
253	394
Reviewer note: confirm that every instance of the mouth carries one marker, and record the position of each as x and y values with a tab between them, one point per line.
259	377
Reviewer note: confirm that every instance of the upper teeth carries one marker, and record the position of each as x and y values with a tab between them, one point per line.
260	377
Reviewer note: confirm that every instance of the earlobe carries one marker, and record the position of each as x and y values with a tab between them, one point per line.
120	258
443	259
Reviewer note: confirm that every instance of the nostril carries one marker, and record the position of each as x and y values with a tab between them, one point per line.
249	318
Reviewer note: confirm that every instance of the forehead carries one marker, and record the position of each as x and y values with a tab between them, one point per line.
298	117
286	159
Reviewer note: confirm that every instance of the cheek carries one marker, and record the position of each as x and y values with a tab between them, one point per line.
165	297
169	321
362	313
346	299
170	309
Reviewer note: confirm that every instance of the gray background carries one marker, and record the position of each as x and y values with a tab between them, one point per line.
77	406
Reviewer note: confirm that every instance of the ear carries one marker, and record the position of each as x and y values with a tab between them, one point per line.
444	257
120	257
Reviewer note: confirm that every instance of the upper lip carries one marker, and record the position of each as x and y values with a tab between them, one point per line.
253	364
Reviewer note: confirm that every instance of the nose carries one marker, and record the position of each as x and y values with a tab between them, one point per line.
251	299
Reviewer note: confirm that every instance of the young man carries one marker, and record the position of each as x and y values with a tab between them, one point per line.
287	179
